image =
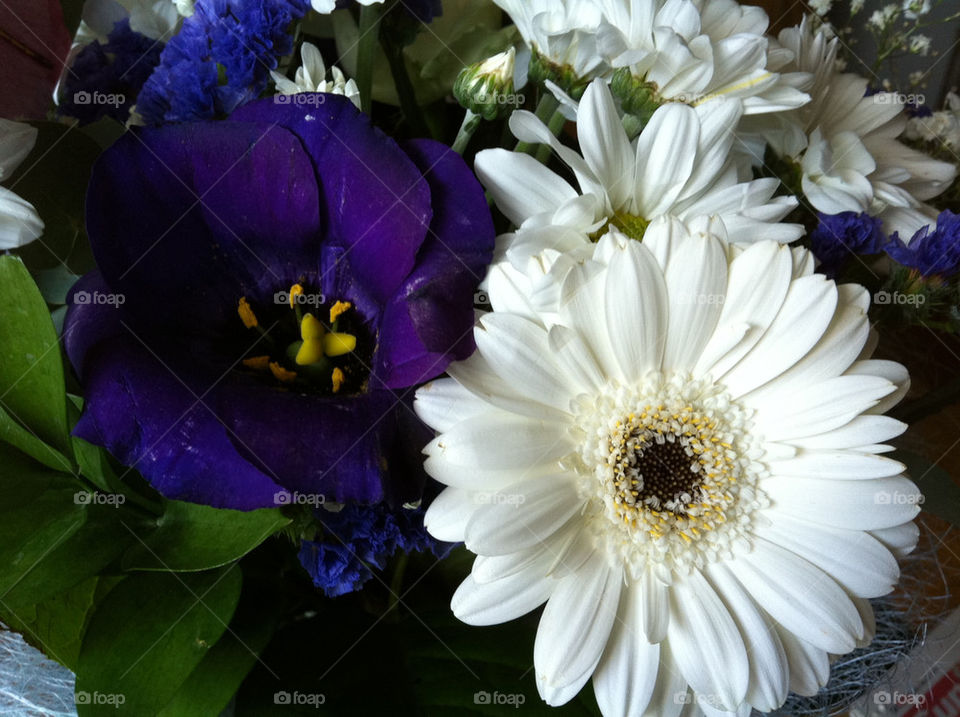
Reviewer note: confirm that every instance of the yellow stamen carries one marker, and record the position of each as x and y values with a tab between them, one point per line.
337	309
247	316
258	363
336	344
295	291
337	378
280	373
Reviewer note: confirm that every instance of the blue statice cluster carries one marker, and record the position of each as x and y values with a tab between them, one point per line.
220	59
931	251
839	236
115	71
359	539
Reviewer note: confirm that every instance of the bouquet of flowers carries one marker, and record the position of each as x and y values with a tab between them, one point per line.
422	357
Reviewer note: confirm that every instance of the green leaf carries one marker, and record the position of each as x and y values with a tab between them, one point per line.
148	635
54	179
39	510
31	371
941	494
56	625
55	284
20	437
197	537
212	685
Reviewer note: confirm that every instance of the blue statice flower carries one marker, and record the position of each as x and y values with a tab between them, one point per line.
105	78
359	539
838	236
220	59
933	252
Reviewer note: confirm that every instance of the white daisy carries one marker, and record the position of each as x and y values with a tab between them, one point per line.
678	166
312	77
682	460
561	34
325	7
19	222
845	143
696	50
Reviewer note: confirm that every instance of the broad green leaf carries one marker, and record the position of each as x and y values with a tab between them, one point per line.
55	626
146	637
20	437
31	371
39	510
941	494
212	685
197	537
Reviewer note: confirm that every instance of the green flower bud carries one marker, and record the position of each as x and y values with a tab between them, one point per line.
486	88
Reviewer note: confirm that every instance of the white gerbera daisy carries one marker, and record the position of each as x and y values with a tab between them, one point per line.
312	77
678	166
19	222
682	460
696	50
845	143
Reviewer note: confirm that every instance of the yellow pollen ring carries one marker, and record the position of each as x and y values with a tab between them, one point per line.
247	316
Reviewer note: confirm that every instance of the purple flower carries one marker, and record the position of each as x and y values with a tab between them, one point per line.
837	237
933	252
359	539
185	339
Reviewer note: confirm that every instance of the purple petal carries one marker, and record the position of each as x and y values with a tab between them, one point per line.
148	419
376	204
429	322
186	219
89	320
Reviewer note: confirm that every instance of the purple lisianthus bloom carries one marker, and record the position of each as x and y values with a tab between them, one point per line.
269	288
931	251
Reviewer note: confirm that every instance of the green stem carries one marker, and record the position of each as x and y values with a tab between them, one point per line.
396	582
470	123
369	30
546	107
554	125
405	91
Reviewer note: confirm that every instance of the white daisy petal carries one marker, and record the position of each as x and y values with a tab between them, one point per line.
574	629
899	539
666	699
800	597
520	185
769	679
627	673
703	634
447	516
444	402
665	153
501	600
845	465
809	665
604	144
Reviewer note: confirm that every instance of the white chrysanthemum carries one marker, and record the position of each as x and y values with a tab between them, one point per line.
678	166
312	77
846	143
942	126
696	50
562	32
325	7
19	222
681	457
